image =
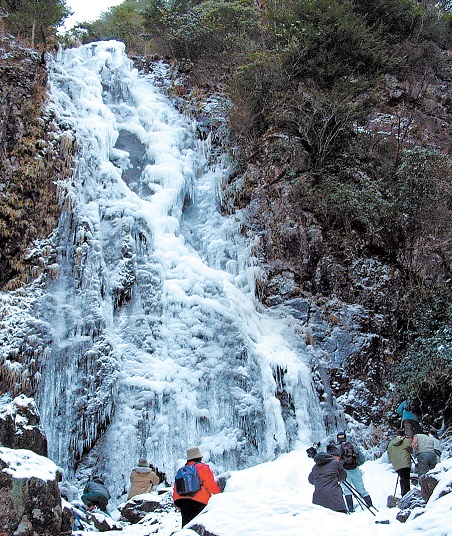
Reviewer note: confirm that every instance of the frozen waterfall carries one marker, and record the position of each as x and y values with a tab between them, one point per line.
155	340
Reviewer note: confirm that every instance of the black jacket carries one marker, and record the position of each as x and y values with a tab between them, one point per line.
325	476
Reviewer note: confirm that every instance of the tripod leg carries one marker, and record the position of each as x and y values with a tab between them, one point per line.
358	497
349	501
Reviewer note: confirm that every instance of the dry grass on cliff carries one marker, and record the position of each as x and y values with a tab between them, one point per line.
33	158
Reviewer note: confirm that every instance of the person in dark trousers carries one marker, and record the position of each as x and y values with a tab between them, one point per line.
191	506
96	494
352	458
326	474
410	420
399	454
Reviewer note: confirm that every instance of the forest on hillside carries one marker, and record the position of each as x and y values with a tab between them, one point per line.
349	103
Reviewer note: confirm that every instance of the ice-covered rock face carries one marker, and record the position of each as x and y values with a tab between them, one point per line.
157	342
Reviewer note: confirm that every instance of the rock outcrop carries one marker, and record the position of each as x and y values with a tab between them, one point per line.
20	425
137	508
30	501
428	483
103	522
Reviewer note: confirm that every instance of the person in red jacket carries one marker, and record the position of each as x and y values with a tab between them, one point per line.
191	506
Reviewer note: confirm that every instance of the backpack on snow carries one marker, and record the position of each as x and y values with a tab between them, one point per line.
349	456
187	480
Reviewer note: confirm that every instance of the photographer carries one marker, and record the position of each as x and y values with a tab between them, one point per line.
326	476
352	458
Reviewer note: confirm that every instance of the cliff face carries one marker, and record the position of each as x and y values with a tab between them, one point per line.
355	281
338	257
34	156
342	275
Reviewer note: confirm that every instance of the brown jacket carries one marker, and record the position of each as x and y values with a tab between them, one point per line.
143	479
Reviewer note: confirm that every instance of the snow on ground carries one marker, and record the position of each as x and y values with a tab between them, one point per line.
274	499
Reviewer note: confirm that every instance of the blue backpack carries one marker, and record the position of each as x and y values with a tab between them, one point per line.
187	480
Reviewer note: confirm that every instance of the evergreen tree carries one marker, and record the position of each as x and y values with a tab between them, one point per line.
35	20
124	22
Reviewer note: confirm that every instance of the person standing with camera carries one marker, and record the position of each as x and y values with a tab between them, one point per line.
352	458
143	479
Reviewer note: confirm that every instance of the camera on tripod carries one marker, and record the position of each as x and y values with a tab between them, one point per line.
312	451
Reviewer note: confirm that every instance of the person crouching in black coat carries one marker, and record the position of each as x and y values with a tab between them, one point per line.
325	476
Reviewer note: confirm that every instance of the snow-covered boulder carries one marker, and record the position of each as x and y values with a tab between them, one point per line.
412	499
30	501
103	522
441	473
20	425
137	508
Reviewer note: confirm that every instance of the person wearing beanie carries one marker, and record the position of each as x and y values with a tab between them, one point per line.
192	505
352	458
143	479
326	476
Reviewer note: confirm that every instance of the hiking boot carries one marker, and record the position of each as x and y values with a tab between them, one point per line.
349	500
368	501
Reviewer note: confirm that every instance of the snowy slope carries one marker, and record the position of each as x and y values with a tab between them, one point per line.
274	499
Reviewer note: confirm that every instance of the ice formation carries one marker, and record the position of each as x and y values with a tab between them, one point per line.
155	341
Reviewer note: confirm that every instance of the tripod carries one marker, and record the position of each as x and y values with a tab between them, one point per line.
359	497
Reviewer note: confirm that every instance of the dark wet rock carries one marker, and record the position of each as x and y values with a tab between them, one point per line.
428	483
67	519
403	515
103	522
392	501
202	531
20	426
139	506
30	501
